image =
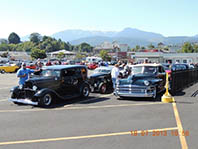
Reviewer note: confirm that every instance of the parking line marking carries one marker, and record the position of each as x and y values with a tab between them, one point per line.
5	88
3	100
70	107
82	137
109	106
180	128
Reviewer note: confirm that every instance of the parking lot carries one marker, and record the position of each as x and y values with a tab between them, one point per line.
101	121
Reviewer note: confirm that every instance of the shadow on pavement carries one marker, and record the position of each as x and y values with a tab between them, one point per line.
62	103
184	102
180	93
95	100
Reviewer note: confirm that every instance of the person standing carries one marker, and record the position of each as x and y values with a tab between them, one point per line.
23	74
48	63
114	75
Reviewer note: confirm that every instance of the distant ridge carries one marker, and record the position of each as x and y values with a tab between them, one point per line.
130	36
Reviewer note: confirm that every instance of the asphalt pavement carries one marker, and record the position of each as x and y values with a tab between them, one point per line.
101	121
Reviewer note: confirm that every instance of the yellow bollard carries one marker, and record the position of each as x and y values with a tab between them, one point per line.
167	98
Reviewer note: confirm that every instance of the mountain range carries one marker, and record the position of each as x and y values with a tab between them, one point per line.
130	36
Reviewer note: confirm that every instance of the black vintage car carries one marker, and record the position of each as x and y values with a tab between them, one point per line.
146	80
54	82
100	80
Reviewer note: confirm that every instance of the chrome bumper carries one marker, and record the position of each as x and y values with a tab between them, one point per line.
24	101
116	93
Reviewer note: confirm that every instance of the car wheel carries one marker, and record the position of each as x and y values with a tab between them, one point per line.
46	100
103	88
85	91
2	71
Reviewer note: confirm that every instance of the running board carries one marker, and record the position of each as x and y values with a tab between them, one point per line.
24	101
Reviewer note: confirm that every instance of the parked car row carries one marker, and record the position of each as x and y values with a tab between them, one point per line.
69	81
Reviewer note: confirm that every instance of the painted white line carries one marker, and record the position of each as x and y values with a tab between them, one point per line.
5	88
2	100
70	107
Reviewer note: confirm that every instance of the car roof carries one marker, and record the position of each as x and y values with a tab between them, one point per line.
59	67
105	67
148	64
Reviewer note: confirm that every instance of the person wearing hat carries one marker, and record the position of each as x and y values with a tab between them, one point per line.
23	73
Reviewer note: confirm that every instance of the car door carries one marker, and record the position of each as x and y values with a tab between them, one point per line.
68	86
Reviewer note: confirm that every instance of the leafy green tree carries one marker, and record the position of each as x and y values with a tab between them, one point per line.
137	47
12	47
187	48
4	47
142	47
195	48
79	56
37	53
151	46
25	46
35	37
14	38
104	55
60	55
85	47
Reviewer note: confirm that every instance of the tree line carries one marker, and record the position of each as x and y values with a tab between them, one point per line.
39	45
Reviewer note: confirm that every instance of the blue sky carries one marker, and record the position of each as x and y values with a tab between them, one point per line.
168	17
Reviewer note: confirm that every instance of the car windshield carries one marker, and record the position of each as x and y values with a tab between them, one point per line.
50	73
143	70
102	71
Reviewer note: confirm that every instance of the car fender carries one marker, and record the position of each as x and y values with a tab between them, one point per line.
15	89
85	83
156	81
101	83
43	91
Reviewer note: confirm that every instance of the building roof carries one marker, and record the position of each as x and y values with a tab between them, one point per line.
149	64
63	51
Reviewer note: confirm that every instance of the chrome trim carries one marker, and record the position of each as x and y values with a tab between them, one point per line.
134	94
24	101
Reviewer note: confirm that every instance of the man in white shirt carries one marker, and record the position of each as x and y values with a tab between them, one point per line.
114	74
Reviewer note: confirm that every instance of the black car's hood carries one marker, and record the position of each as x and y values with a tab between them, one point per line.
40	79
35	79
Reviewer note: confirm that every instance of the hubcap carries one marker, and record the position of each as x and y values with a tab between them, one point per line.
103	88
85	91
47	99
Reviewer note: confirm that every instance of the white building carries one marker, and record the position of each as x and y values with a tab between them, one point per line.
111	47
160	57
67	54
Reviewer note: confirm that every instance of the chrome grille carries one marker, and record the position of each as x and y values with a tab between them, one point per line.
131	89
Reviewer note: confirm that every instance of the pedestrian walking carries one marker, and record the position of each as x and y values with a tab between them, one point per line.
114	75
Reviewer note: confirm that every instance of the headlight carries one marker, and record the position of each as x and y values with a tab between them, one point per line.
11	90
146	82
34	88
20	86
